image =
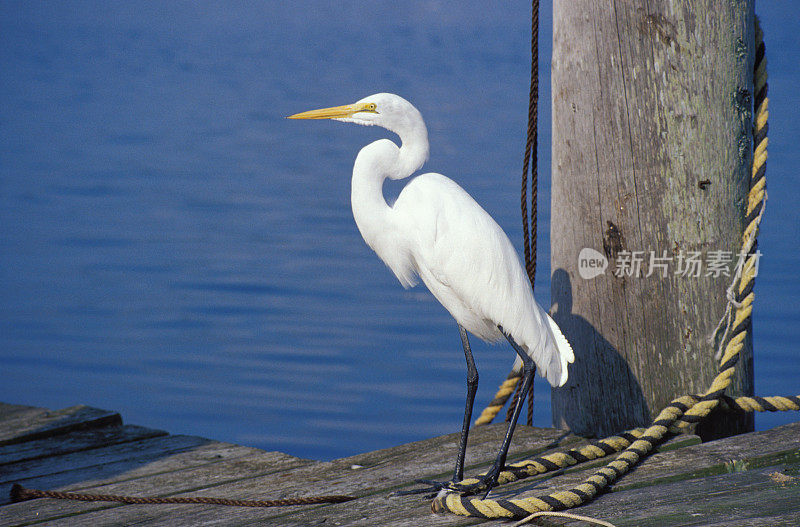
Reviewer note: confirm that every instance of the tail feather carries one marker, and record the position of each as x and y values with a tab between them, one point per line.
555	351
564	354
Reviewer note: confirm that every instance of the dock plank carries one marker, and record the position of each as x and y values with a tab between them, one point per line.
75	441
381	472
205	467
753	450
26	425
750	497
94	466
730	481
728	499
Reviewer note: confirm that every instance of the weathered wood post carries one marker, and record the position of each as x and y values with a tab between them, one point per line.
651	152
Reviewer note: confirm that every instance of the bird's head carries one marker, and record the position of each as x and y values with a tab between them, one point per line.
386	110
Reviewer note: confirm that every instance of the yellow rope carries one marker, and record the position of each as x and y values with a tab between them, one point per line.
681	412
503	393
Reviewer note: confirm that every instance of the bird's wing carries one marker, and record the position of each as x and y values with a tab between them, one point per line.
455	241
477	270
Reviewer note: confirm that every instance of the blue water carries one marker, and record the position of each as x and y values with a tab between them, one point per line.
172	248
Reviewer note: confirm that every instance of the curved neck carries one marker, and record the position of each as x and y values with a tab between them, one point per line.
413	150
374	163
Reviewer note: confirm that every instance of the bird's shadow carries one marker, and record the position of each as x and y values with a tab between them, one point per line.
588	404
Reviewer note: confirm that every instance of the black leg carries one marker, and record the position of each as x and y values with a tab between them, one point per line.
488	480
528	372
472	387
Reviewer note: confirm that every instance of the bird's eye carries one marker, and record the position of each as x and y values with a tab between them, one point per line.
372	106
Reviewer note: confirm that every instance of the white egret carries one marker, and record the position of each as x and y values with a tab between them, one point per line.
437	232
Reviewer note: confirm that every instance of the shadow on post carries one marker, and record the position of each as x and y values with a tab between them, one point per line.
588	403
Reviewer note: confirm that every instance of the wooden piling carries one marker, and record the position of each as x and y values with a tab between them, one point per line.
652	148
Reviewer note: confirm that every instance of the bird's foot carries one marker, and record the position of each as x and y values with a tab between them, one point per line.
477	485
430	489
483	483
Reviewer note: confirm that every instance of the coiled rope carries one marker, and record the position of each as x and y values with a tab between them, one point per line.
681	412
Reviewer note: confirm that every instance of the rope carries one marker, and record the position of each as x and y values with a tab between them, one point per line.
503	393
530	159
681	412
20	493
563	515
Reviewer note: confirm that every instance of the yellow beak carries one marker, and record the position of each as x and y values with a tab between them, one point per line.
331	113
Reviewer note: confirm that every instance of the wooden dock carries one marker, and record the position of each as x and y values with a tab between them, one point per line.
752	479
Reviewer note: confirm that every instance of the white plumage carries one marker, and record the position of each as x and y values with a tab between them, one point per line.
437	232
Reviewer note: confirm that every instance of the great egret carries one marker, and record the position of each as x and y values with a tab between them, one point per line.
437	232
